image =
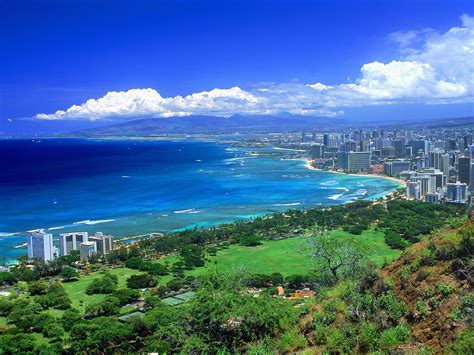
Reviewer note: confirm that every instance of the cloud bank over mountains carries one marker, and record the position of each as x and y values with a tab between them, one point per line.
432	68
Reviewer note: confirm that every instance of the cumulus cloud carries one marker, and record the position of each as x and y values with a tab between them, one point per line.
432	68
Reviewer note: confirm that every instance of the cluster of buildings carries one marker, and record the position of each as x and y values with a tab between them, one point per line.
437	165
40	244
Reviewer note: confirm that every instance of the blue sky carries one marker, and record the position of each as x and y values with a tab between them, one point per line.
236	57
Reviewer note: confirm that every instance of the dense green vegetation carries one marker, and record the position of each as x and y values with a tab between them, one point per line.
212	290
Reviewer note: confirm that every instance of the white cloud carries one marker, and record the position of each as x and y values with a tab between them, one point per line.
432	68
403	80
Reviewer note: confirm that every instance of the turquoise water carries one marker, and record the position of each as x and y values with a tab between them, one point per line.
134	187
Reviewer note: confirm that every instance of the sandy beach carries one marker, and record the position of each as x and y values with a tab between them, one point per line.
311	167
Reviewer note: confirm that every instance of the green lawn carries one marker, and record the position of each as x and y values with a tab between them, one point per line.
77	289
285	256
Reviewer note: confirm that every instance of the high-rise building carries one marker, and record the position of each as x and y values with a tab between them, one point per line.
342	158
426	183
399	146
413	190
444	164
435	158
326	139
388	152
354	161
104	243
87	249
303	136
456	192
40	245
365	145
393	168
471	179
432	197
71	241
418	145
317	151
464	166
350	146
437	174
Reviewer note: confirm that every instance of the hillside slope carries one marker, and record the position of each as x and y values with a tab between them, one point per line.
421	302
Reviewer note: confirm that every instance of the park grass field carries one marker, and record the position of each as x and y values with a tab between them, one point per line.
77	289
286	256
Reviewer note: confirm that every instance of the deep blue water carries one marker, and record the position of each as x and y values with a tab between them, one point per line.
136	187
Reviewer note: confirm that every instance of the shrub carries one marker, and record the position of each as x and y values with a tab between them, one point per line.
392	337
369	337
422	309
461	311
464	343
444	289
422	275
395	308
291	341
336	341
320	333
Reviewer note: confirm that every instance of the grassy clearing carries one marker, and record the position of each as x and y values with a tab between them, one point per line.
77	289
285	256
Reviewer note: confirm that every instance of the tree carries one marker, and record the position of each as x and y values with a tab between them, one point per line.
176	284
23	314
68	273
250	240
394	241
141	281
156	269
338	257
17	343
134	263
109	306
58	296
126	296
106	285
70	318
192	256
5	306
151	302
39	287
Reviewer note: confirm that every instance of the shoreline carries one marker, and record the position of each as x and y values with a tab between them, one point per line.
309	166
131	238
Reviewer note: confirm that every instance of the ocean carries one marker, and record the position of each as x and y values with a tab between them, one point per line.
129	187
